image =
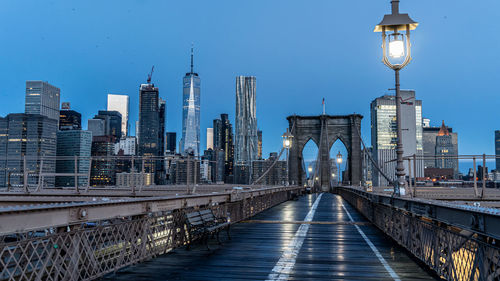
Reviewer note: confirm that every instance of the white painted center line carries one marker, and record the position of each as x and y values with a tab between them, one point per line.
284	267
374	249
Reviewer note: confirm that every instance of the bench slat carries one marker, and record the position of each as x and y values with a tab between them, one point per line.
194	214
191	221
208	217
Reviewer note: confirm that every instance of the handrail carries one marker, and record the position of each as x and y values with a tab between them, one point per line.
31	217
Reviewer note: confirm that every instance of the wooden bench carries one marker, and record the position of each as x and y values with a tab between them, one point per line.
203	224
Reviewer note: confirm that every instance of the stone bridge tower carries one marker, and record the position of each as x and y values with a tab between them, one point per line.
325	130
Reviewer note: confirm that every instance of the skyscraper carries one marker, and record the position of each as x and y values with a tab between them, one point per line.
433	140
384	139
171	143
151	117
103	170
73	143
42	98
210	138
112	123
97	127
162	111
497	149
120	103
223	140
69	119
246	140
32	136
444	149
191	112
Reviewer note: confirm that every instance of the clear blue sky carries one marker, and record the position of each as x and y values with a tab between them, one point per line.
300	51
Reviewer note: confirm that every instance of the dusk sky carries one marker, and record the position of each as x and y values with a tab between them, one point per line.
300	52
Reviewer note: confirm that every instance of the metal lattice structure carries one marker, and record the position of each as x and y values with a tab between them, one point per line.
453	252
92	249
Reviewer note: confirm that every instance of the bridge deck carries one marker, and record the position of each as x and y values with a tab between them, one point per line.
333	245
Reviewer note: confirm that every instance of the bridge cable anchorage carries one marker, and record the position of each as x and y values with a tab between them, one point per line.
375	164
386	265
286	263
273	164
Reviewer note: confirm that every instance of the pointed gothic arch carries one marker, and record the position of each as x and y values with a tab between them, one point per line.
325	130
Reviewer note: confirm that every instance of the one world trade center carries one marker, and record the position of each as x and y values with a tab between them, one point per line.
190	141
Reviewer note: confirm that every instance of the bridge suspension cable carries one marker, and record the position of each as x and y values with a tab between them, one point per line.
274	163
375	164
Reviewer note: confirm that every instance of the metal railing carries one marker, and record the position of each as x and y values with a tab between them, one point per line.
420	180
457	243
85	241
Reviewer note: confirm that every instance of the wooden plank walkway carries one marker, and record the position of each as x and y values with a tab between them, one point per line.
332	248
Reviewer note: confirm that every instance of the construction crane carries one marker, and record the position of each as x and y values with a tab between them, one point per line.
150	74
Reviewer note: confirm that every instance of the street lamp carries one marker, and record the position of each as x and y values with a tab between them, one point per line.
339	161
397	56
287	139
287	144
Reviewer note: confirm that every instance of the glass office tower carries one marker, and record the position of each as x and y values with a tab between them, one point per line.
42	98
72	143
384	133
30	135
152	129
190	140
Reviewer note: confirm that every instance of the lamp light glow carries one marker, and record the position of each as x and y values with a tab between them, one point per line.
396	46
287	139
339	158
287	143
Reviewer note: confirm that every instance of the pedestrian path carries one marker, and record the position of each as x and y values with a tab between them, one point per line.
318	237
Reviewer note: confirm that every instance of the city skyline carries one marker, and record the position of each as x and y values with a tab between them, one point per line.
271	63
363	153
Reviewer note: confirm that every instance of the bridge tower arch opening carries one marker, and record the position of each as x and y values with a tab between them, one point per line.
339	169
325	130
309	161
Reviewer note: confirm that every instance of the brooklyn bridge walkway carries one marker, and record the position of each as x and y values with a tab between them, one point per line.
318	237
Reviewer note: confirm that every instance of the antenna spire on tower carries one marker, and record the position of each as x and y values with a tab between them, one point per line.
192	58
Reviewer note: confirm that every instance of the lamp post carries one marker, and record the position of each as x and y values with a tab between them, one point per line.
339	161
396	57
287	144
